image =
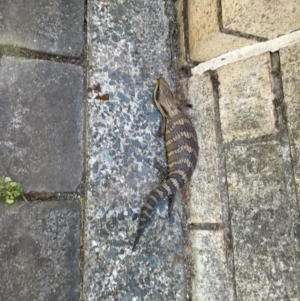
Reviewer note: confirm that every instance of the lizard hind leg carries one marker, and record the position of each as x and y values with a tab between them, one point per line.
161	169
162	128
171	201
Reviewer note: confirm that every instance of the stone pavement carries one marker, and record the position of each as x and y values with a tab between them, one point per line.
244	206
42	147
77	130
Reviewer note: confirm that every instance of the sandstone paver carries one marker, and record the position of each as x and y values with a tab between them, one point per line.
261	18
263	240
246	108
204	204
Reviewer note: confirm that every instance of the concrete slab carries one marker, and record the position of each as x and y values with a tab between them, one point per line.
41	111
49	26
39	251
263	238
261	17
204	204
128	52
246	108
210	281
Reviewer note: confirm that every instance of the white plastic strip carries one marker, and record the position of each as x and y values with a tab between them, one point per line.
247	52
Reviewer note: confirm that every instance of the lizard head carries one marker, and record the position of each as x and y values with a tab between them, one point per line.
164	98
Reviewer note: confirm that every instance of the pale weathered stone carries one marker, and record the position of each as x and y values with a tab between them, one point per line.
210	281
263	18
246	108
290	60
205	37
247	52
181	33
204	203
264	250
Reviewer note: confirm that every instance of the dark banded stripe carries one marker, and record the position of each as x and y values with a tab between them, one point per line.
182	148
167	188
180	176
163	190
179	123
145	212
177	127
148	206
185	161
187	135
172	187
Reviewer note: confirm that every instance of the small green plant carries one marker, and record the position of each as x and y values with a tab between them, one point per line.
9	190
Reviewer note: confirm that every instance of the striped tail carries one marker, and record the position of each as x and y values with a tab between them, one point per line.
165	189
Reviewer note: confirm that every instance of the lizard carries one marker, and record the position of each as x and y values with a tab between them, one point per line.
182	153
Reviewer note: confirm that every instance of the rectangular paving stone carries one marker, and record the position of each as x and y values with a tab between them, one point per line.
264	242
122	146
204	204
41	111
290	63
206	38
246	108
181	54
271	19
210	281
39	251
50	26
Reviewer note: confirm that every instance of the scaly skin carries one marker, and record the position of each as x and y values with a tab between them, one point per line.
182	153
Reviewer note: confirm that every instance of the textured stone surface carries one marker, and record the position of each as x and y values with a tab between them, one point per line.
128	51
180	33
264	245
204	204
248	51
210	280
39	251
263	18
290	60
41	124
206	40
50	26
246	108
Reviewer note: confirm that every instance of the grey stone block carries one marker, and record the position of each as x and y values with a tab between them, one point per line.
41	111
210	281
290	60
39	251
263	239
204	204
246	108
129	51
49	26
